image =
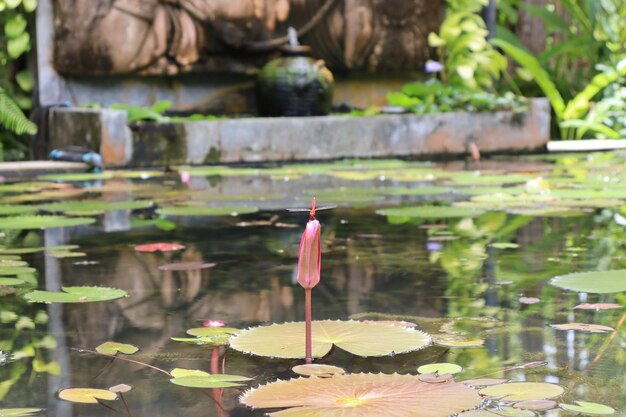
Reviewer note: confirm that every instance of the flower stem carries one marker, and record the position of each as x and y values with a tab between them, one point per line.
307	319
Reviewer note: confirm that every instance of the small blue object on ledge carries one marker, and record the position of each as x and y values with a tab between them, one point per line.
93	159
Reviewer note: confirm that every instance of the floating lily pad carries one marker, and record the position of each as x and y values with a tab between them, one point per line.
78	177
206	210
199	379
547	212
112	348
362	339
498	412
75	295
476	178
322	371
598	306
484	382
138	174
21	251
11	281
522	391
15	270
19	412
598	282
440	368
214	336
159	247
536	405
86	395
12	209
186	266
212	331
430	212
94	207
458	343
120	388
416	191
363	395
42	222
583	327
584	407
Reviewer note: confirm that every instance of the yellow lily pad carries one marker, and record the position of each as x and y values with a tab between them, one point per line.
112	348
363	339
86	395
521	391
363	395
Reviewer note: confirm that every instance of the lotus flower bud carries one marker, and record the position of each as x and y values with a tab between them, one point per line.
310	257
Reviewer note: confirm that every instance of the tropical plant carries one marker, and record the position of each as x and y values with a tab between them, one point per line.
585	41
568	114
16	81
467	57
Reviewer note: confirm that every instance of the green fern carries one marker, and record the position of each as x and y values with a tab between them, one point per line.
13	118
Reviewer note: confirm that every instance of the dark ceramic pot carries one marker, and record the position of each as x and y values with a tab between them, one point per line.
295	85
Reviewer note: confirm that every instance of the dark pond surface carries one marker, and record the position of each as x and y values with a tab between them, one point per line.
460	278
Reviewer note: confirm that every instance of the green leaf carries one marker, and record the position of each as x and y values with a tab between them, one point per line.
521	391
440	368
19	412
363	339
194	378
112	348
10	209
597	282
42	222
13	118
430	212
18	45
75	295
579	105
93	207
206	210
583	407
530	63
592	126
15	25
78	177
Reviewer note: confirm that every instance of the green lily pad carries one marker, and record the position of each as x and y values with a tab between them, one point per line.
212	331
489	190
476	178
12	209
112	348
314	369
206	211
11	281
75	295
536	405
522	391
194	378
137	174
42	222
440	368
363	339
416	191
86	395
77	177
19	412
597	282
592	409
94	207
22	251
15	270
547	212
430	212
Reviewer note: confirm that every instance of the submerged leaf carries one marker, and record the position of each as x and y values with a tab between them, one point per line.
363	395
598	282
583	327
159	247
583	407
112	348
75	295
42	222
362	339
536	405
521	391
86	395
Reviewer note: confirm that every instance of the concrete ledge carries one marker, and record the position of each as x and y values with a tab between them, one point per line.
586	145
299	138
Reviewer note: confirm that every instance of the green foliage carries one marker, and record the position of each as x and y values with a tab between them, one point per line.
468	58
436	97
156	113
13	118
16	81
586	43
568	114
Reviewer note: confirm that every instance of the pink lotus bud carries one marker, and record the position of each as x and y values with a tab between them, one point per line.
310	258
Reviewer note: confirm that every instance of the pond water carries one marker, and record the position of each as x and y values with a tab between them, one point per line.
477	274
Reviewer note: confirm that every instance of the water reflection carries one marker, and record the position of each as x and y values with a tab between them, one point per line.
369	266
